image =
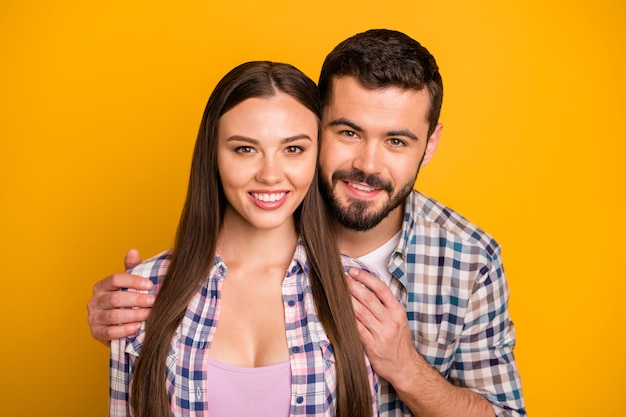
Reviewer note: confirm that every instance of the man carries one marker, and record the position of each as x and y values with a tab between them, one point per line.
436	328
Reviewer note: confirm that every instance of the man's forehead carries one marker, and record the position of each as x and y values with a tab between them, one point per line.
349	88
389	108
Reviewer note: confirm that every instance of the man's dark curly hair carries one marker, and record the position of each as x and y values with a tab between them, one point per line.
380	58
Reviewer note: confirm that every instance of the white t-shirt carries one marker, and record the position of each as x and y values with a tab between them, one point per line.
379	258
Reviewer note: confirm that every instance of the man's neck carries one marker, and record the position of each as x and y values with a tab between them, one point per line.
355	244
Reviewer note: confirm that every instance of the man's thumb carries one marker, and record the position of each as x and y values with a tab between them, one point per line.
132	258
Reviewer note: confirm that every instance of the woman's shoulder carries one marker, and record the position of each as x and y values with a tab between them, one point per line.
153	268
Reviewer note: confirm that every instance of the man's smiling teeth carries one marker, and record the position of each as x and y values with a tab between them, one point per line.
268	197
361	187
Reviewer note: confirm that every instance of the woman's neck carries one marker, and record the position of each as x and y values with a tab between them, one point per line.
242	244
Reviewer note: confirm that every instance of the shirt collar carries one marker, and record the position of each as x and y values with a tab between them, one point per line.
399	256
299	264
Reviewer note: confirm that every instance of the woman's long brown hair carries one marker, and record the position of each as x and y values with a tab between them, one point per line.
196	240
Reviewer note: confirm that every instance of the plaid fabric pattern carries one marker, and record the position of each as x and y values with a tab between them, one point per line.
312	359
449	275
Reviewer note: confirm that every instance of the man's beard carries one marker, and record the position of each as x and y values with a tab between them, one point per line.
356	214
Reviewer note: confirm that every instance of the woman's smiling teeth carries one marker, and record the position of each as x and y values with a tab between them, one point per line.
268	197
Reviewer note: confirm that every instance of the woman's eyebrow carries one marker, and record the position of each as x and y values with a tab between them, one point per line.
253	141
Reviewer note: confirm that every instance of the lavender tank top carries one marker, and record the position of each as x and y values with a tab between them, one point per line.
236	391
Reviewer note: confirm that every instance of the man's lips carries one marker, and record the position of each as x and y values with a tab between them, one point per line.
360	186
361	190
359	183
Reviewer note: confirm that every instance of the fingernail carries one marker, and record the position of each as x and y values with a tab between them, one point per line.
150	300
353	272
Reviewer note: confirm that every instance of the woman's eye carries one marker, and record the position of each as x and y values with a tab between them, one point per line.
294	149
244	149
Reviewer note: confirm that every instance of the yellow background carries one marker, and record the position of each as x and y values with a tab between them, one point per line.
99	107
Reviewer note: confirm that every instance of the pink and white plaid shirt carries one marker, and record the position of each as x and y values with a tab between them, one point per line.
313	389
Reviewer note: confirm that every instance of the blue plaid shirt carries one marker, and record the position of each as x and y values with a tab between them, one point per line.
448	273
313	388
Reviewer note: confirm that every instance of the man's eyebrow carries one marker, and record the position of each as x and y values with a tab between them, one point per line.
345	122
403	132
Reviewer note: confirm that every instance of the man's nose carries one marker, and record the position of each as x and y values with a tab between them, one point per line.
368	158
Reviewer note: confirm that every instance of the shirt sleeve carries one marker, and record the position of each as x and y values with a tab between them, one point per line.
373	388
124	352
119	381
484	360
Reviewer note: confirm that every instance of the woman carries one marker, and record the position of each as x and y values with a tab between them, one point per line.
252	315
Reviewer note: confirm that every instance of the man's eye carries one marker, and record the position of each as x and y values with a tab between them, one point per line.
348	133
396	142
